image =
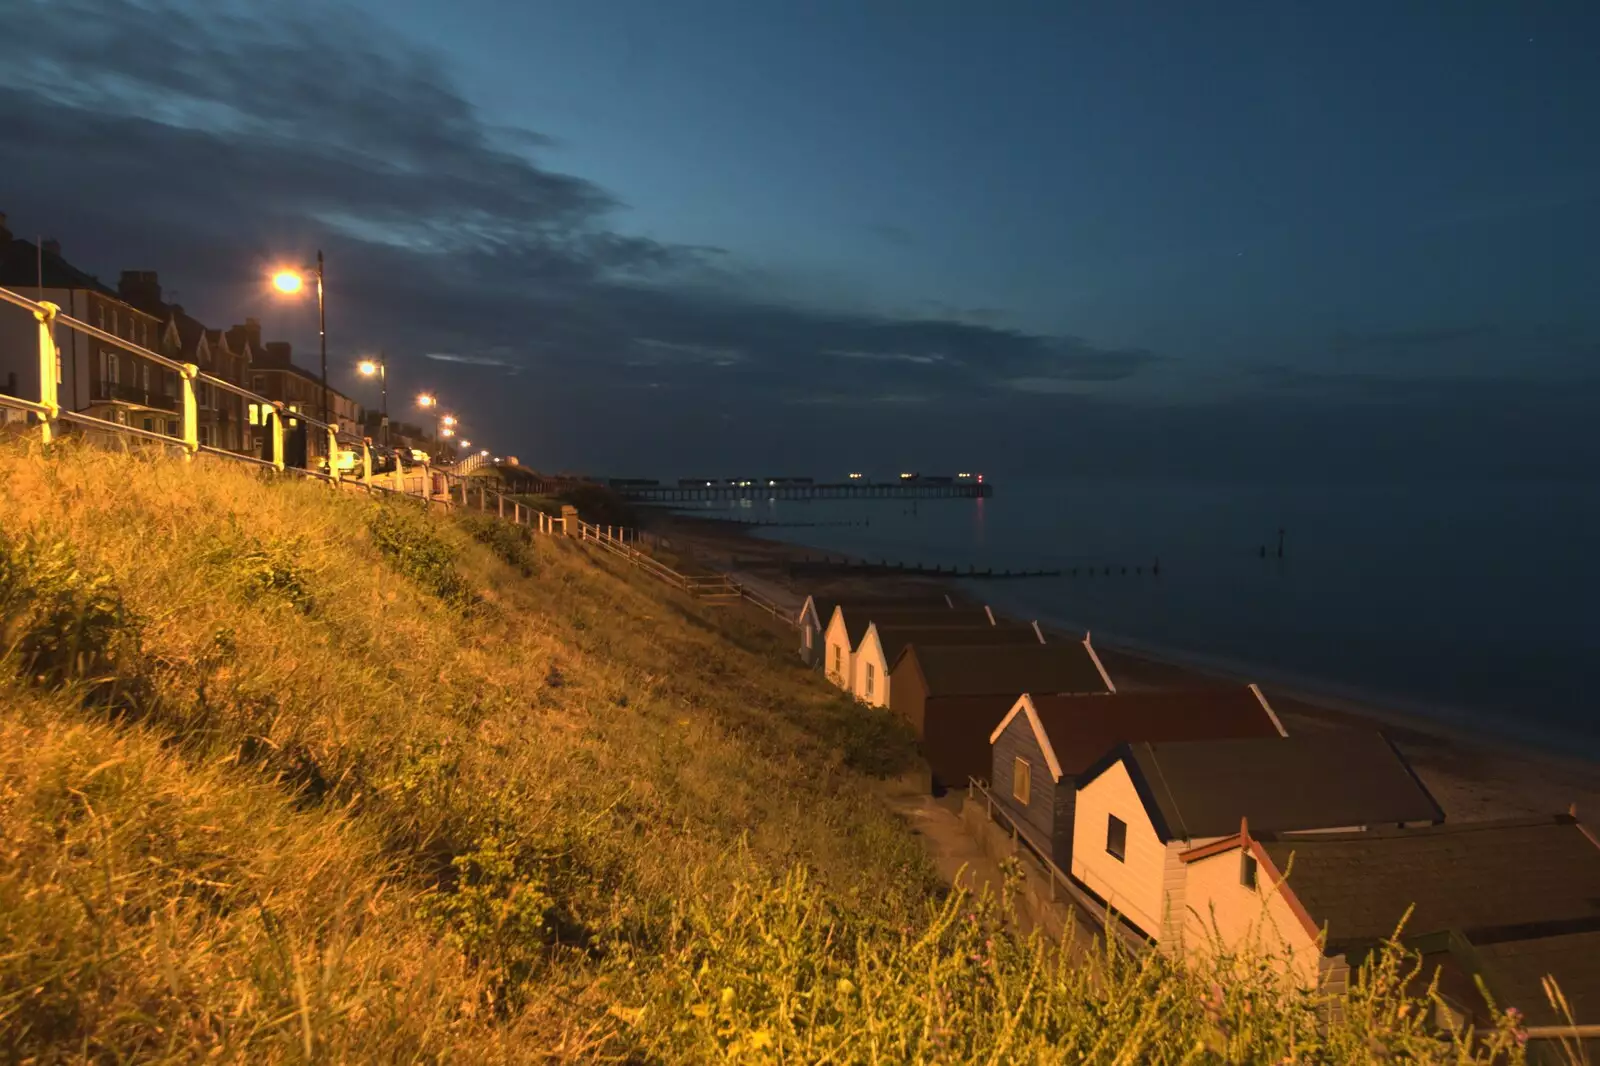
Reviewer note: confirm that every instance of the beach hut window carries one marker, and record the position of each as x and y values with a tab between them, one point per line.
1247	871
870	672
807	633
1021	781
1116	838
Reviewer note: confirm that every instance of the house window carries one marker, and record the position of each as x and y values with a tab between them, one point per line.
1021	780
1247	870
149	425
871	671
1116	838
258	382
172	427
100	316
205	435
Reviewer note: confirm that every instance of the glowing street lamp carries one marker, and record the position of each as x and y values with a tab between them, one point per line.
290	282
427	400
466	443
370	367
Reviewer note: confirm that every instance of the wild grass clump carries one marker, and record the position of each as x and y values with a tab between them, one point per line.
355	822
407	538
512	544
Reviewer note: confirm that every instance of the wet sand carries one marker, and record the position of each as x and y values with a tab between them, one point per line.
1471	777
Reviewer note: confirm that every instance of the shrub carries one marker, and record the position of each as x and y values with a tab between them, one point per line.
64	622
511	543
406	537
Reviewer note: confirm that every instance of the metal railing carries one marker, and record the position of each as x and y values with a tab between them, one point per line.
453	488
1021	837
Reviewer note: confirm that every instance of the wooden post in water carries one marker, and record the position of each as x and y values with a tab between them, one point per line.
1280	542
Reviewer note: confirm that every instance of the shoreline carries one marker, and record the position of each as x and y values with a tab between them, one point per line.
1473	774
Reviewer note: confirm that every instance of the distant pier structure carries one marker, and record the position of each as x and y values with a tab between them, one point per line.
907	487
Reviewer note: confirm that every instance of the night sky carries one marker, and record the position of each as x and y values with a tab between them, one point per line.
1255	241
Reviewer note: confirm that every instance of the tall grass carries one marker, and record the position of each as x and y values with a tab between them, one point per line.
290	775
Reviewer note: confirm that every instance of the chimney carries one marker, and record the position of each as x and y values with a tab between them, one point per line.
142	289
52	246
279	351
252	330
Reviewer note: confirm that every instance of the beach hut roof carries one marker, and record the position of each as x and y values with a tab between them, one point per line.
1493	881
894	639
1077	731
858	617
1320	779
969	670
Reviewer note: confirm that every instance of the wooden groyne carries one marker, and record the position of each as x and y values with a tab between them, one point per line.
772	523
846	490
831	567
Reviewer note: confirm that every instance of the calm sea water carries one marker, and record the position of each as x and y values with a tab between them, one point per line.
1475	604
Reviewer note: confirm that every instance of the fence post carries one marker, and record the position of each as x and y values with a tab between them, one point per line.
500	503
399	474
333	456
191	411
366	461
427	484
49	397
277	436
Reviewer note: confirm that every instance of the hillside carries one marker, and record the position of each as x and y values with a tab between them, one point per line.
288	774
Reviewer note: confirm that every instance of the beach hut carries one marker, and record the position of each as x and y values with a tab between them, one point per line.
848	626
885	641
1143	805
1508	900
816	612
1043	742
954	695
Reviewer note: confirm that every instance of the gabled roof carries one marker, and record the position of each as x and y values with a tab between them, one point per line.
858	618
895	639
1321	779
822	608
970	670
20	263
1492	881
1077	732
191	333
1515	972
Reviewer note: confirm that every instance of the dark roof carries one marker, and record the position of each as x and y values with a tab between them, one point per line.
895	638
858	618
19	270
825	606
190	330
1011	669
1515	972
1322	779
1489	880
1082	729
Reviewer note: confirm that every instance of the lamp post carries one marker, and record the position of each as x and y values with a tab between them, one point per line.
369	367
291	282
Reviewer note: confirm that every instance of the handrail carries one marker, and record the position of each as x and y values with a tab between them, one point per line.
1107	917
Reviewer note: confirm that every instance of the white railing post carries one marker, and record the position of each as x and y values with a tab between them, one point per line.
427	482
191	411
366	461
399	474
49	396
333	455
277	435
500	503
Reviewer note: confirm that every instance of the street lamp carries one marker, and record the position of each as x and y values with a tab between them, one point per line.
290	282
368	368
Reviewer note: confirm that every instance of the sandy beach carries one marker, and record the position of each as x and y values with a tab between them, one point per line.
1471	777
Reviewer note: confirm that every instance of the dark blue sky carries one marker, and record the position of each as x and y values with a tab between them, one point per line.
1238	240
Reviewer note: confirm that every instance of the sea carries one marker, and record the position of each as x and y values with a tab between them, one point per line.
1476	606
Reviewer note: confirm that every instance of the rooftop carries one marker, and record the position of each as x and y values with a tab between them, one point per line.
1010	669
858	617
1082	729
895	638
1493	881
1321	779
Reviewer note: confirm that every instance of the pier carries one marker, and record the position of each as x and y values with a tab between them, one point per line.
844	490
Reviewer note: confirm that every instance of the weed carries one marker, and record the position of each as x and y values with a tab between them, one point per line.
408	539
511	543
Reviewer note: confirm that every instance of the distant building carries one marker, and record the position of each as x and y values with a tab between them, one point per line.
848	627
275	375
885	642
93	377
222	415
815	614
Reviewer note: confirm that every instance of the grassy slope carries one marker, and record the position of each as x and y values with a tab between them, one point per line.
289	774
